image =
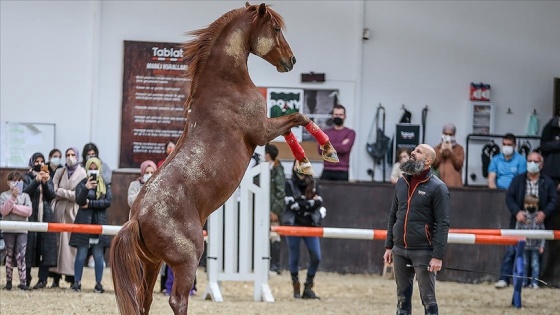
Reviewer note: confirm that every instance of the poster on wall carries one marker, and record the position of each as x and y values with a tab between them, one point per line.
154	93
282	102
316	104
407	136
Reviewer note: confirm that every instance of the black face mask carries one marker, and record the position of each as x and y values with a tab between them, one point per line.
531	209
338	121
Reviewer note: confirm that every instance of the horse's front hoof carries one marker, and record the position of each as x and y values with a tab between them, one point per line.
304	168
330	157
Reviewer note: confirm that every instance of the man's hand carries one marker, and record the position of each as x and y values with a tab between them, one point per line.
434	265
388	256
520	217
539	218
345	141
273	217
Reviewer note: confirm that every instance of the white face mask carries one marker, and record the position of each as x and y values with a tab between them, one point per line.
146	177
71	161
533	167
55	161
507	150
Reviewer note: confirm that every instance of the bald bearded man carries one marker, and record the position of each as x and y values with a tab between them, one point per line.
417	230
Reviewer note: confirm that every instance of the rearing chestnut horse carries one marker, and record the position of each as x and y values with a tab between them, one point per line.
226	121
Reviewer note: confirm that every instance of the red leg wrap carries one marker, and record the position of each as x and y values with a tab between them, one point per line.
316	132
294	145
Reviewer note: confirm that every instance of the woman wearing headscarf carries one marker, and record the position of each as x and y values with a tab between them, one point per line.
147	168
90	150
93	196
41	247
65	181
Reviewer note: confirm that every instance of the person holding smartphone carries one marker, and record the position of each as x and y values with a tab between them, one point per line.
93	196
449	158
42	247
15	205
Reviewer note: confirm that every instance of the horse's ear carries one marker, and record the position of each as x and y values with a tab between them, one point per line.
247	4
262	9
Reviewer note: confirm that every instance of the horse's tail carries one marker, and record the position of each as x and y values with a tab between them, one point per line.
127	269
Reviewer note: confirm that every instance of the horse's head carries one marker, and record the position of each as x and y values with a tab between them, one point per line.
267	40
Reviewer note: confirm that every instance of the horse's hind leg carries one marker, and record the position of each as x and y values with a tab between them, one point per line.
184	279
151	275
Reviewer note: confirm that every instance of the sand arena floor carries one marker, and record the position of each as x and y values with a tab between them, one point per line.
340	294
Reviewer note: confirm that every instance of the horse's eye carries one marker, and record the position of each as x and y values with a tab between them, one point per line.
277	29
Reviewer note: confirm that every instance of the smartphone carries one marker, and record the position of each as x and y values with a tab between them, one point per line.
93	174
45	168
19	185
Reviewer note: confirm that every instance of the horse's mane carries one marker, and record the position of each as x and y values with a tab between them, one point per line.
196	51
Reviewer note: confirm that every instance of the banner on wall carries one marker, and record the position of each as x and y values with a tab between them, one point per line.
316	104
407	136
154	93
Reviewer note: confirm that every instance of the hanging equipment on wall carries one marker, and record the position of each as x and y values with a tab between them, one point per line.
488	151
424	117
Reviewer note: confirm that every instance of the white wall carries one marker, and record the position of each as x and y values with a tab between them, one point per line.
427	52
64	60
46	66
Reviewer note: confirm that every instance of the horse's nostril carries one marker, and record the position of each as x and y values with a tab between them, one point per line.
293	60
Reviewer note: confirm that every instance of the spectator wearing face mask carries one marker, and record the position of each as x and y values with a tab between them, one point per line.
450	157
42	248
90	150
506	165
65	181
342	139
55	161
531	182
147	169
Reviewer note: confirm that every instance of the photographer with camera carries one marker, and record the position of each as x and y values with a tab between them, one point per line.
42	248
93	196
450	157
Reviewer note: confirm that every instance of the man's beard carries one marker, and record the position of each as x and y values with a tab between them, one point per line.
412	167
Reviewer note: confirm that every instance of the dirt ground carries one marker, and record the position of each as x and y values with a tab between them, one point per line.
351	294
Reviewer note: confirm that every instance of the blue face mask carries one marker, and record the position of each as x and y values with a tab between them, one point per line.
533	167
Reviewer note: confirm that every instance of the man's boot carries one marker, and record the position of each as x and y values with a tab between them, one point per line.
275	257
404	307
431	310
296	286
307	289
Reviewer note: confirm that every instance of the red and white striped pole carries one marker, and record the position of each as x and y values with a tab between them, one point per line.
456	236
8	226
367	234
